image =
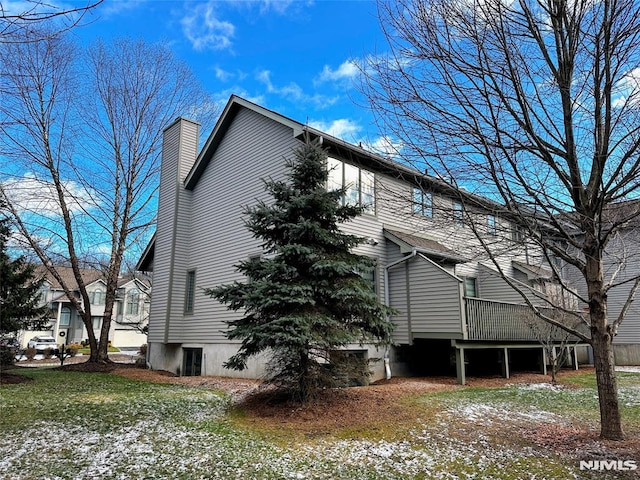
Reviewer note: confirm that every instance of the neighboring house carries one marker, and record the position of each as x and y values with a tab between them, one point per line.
622	267
130	312
455	312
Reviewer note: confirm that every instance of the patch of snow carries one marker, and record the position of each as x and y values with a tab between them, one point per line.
486	414
629	369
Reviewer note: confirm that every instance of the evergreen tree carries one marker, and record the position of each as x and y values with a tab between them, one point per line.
305	299
19	291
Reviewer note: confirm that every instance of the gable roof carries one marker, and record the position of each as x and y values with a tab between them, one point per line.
532	272
335	146
89	276
234	105
407	242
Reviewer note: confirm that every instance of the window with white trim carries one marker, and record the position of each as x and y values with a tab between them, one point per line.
133	302
190	290
458	217
422	202
491	224
97	297
359	184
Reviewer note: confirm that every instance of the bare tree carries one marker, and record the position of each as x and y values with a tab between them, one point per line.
533	104
85	137
23	21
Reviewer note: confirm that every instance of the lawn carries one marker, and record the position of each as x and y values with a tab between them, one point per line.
73	425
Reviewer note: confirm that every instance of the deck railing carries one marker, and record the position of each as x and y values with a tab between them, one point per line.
500	321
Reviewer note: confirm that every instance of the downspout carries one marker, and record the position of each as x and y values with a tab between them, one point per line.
414	252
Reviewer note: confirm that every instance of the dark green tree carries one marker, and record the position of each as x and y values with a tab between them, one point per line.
19	290
306	298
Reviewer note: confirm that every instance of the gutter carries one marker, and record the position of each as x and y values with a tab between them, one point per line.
414	252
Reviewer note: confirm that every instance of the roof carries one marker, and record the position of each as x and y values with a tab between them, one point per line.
334	145
407	242
533	272
89	276
146	259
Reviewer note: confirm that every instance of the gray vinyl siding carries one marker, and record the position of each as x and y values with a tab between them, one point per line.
427	299
398	299
622	259
253	148
493	287
179	150
436	305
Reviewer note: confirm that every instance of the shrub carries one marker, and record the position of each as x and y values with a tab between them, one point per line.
143	350
7	357
30	353
72	349
48	353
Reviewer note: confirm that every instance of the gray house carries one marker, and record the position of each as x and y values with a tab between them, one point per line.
456	313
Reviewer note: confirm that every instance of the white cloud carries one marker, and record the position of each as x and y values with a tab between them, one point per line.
118	7
222	75
342	128
627	90
205	30
384	146
293	92
29	194
348	70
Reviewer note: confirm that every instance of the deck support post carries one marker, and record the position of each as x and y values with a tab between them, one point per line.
544	361
575	358
460	368
505	362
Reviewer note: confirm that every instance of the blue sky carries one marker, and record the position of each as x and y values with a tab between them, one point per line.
294	57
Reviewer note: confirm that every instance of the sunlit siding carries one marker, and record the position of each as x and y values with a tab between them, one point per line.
179	150
252	149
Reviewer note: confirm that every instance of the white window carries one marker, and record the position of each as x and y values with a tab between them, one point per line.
458	214
97	297
190	290
65	316
133	302
358	184
422	203
491	224
516	233
96	323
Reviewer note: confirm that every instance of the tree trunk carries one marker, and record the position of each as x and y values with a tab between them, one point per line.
602	343
610	421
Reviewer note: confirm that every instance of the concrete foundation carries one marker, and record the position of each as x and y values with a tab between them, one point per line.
170	357
626	354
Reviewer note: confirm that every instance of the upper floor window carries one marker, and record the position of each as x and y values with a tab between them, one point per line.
422	203
458	214
97	297
516	233
65	316
133	302
359	184
190	290
96	323
491	224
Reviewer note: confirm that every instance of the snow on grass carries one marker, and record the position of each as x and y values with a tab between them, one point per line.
484	414
109	429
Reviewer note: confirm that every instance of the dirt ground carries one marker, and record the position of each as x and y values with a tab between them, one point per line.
383	406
